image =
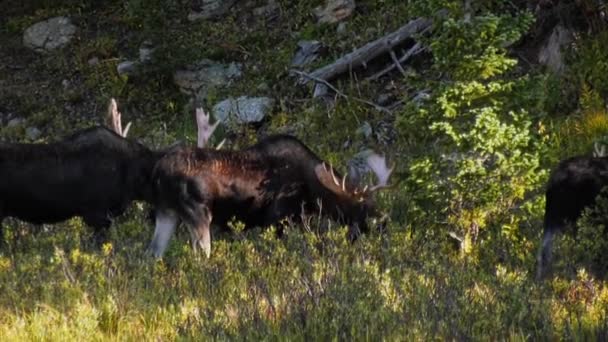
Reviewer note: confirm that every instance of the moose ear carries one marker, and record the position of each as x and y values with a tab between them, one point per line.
327	179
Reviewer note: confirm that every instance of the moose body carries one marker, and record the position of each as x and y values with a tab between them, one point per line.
94	173
573	185
275	179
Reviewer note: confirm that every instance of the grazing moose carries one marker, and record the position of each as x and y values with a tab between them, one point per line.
573	186
95	173
274	179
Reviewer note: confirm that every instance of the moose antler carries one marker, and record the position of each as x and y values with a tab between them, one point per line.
378	166
599	150
205	130
114	118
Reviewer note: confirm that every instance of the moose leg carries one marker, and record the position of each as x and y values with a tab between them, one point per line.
1	231
544	253
100	224
166	221
282	210
200	231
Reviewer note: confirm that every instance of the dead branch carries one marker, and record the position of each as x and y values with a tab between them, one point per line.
369	51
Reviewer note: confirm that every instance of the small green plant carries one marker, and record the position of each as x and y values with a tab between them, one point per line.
589	64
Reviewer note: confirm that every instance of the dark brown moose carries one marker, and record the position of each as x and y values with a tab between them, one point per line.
94	173
573	185
275	179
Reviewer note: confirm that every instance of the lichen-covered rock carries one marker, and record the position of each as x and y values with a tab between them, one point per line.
49	34
198	78
334	11
243	109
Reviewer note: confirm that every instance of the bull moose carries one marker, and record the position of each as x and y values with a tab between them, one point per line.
94	173
277	178
573	185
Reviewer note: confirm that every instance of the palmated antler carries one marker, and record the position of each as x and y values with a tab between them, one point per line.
374	161
114	118
378	165
205	130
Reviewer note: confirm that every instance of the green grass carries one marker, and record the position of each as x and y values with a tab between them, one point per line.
57	286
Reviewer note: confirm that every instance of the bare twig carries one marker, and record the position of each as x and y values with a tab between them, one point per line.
341	94
414	50
397	63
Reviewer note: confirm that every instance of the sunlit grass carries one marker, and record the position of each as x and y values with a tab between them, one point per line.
57	286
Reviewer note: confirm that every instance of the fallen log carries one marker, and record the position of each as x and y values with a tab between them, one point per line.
369	51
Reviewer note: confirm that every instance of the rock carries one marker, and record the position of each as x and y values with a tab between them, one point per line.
341	29
383	99
93	61
421	97
334	11
208	9
198	78
307	52
50	34
243	109
32	133
320	90
15	122
145	51
365	129
551	53
263	87
127	67
358	167
266	10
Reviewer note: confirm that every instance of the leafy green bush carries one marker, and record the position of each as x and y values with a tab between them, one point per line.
483	155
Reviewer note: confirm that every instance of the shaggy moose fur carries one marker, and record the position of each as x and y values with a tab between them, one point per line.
95	173
275	179
573	186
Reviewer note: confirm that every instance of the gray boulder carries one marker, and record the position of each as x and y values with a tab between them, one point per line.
243	109
49	34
